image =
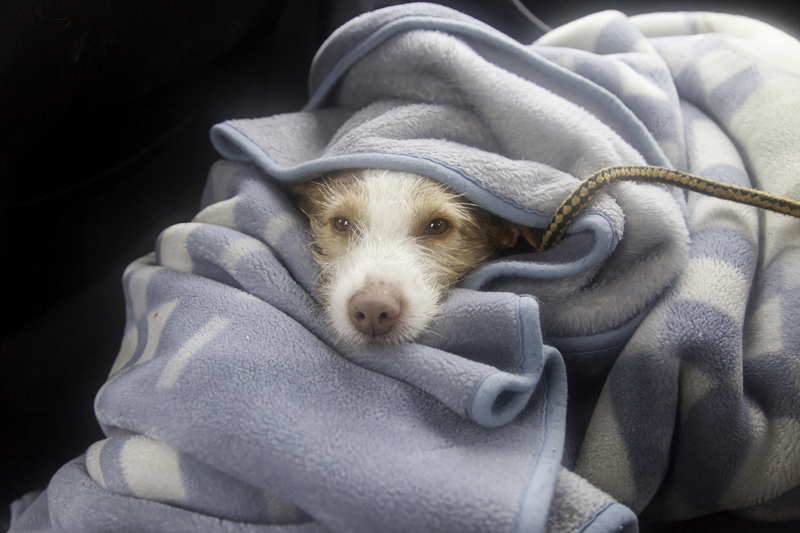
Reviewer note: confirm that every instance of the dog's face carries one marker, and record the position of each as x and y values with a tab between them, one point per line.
390	244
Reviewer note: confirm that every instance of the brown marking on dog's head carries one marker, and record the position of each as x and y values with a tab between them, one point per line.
330	204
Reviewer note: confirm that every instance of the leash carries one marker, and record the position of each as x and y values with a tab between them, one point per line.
591	186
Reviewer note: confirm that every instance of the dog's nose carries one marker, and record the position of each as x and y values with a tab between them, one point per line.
374	312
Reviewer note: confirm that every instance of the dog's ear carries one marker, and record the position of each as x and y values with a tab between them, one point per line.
512	232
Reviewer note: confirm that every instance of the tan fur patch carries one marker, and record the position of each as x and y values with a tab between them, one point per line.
323	201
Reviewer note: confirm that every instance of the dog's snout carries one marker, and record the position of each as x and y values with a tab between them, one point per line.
374	311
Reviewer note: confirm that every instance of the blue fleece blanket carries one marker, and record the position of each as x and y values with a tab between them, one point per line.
673	318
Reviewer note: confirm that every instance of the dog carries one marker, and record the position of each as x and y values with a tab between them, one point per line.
390	245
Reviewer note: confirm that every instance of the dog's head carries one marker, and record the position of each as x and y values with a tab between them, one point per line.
390	244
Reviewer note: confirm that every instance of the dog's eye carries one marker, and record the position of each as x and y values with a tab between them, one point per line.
437	226
342	224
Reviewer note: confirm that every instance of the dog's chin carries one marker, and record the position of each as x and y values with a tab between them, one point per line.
357	340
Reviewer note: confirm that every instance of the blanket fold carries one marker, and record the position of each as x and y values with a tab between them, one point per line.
672	317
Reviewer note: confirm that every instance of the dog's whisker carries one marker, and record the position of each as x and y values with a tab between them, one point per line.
429	331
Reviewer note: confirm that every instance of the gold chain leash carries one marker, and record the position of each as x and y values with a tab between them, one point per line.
591	186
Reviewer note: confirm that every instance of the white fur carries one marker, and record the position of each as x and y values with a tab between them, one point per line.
383	252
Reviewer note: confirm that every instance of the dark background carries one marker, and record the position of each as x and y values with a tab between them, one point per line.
105	108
